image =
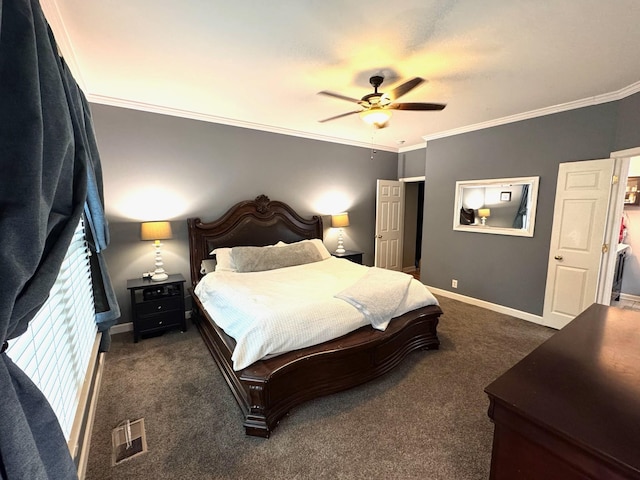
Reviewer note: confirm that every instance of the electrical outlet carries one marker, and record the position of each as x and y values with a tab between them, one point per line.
454	283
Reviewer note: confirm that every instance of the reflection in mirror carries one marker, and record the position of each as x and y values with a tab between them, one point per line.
502	206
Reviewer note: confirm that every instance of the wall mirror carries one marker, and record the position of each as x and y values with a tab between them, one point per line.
500	206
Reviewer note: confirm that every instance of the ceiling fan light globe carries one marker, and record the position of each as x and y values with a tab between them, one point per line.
376	116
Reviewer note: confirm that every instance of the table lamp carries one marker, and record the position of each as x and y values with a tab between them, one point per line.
484	213
157	231
340	220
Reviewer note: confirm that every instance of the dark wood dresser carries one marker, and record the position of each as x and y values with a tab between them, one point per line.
571	408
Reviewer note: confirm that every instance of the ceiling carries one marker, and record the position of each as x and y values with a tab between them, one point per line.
260	64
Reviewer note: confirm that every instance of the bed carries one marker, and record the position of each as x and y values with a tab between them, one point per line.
269	388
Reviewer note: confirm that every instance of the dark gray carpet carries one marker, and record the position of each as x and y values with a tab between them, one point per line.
425	419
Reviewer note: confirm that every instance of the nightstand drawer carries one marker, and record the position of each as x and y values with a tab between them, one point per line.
160	320
158	306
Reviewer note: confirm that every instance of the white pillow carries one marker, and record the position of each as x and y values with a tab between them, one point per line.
224	260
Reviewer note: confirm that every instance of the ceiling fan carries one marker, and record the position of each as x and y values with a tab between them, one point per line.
377	106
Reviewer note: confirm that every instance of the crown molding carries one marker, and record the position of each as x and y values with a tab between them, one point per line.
410	148
177	112
563	107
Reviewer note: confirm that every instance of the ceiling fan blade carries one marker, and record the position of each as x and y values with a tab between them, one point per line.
339	116
337	95
405	88
417	106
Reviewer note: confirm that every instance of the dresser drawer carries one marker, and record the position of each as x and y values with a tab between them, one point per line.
158	306
158	321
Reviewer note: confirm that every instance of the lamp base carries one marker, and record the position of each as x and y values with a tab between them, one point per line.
340	248
159	277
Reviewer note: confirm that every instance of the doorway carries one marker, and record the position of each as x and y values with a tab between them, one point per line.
578	242
414	216
604	285
399	220
622	160
627	265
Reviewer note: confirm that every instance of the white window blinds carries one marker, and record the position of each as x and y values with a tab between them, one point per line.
55	351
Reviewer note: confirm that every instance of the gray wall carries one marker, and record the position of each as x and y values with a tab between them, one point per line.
628	123
191	168
411	163
505	270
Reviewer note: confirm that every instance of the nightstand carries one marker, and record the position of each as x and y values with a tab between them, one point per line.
352	255
157	306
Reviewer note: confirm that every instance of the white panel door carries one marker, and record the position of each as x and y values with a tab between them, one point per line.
389	224
577	238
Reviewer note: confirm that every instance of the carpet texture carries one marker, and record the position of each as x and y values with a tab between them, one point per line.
425	419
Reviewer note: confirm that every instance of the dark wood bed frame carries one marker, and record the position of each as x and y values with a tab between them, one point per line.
269	388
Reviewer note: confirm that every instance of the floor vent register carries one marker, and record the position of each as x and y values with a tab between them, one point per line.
129	440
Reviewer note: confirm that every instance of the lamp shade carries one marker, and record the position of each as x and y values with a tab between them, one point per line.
340	220
484	212
155	231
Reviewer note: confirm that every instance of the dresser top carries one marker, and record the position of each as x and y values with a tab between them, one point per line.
583	383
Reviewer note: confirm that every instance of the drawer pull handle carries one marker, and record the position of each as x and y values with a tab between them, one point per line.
159	307
160	322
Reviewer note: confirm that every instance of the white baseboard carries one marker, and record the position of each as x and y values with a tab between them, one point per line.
488	305
629	297
409	269
121	328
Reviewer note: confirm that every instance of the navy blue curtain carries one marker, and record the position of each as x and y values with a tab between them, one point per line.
106	304
518	222
46	168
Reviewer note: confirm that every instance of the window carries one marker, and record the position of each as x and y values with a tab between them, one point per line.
55	351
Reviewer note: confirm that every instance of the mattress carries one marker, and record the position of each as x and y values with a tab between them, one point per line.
276	311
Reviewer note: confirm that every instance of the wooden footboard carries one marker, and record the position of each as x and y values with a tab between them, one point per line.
268	389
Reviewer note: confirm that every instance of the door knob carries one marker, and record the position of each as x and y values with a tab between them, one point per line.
558	257
377	236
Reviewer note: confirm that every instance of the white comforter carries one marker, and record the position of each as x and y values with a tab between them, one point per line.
276	311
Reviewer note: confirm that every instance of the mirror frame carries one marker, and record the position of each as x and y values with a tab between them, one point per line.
498	182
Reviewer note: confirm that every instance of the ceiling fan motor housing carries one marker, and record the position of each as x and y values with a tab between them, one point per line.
376	81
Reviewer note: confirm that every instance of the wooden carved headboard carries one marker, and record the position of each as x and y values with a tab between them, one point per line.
256	223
